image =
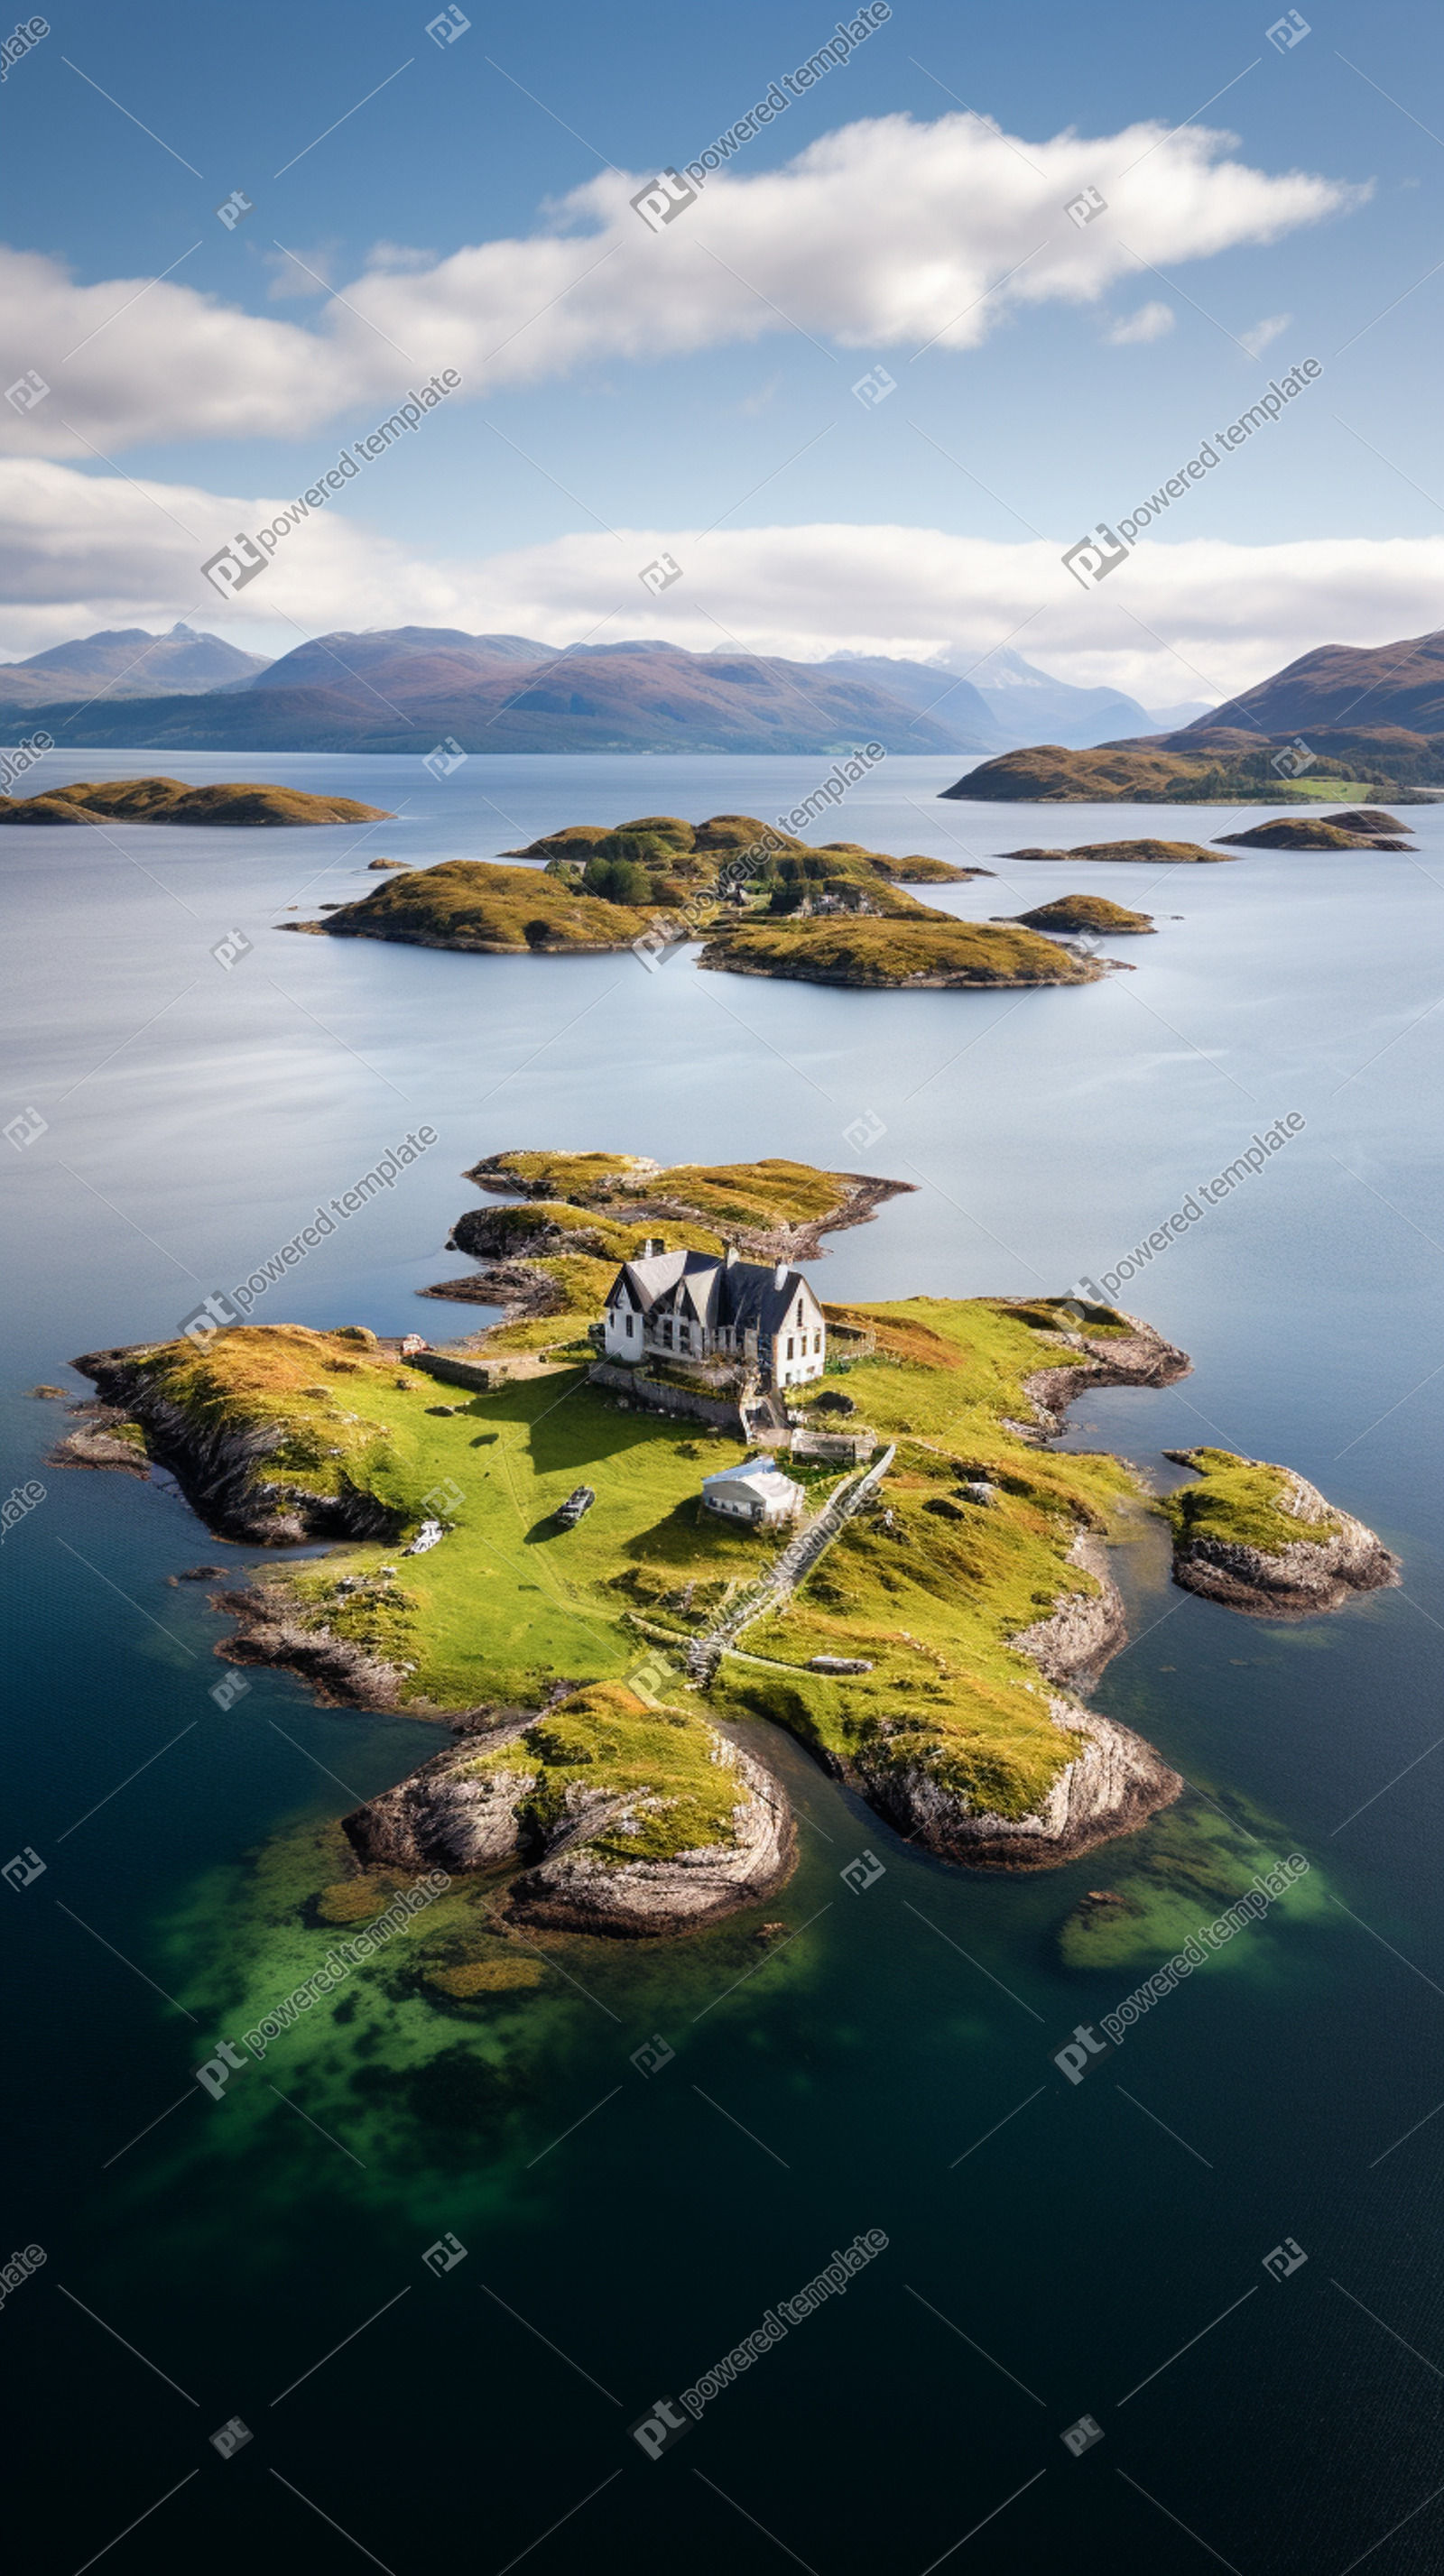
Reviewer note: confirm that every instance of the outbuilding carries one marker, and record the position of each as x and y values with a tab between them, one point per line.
756	1492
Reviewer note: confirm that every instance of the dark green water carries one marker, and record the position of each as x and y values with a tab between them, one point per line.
1054	2249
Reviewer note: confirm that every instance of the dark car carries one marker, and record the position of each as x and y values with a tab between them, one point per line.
580	1500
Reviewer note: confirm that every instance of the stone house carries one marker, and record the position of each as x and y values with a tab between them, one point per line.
702	1312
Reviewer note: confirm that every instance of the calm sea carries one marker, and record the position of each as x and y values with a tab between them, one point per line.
1055	2251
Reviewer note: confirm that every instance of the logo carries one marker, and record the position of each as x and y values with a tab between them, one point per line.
27	391
658	2431
1094	558
447	756
660	575
448	2250
208	1319
667	197
653	2055
657	944
1285	2258
229	951
232	2437
1086	207
23	1131
445	1497
235	565
226	1692
445	29
864	1131
862	1873
1080	2437
1073	2057
216	2073
234	207
1294	759
1288	31
874	388
24	1869
652	1682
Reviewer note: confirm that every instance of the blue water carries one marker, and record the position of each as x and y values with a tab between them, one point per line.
195	1117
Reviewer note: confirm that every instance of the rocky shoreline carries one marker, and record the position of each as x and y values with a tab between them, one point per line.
1299	1581
1113	1784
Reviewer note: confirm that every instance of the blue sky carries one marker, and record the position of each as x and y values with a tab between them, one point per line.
1041	428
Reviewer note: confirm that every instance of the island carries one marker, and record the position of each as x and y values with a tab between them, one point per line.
845	1520
1082	915
1144	854
1262	1539
170	800
1049	773
760	903
1364	827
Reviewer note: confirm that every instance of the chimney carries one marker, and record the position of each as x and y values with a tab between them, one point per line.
731	1255
652	1246
779	1277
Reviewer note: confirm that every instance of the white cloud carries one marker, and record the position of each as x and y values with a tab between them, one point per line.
1150	322
885	234
1264	333
86	552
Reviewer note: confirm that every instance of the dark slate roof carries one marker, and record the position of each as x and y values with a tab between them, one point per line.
742	1294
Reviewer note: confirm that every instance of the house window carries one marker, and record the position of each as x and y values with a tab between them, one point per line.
817	1341
629	1328
789	1346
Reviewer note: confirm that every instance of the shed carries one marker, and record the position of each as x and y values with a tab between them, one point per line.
756	1492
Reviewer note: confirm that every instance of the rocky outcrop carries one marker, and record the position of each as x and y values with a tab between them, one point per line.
221	1471
575	1890
444	1816
440	1819
1111	1786
1303	1579
1140	1358
1085	1630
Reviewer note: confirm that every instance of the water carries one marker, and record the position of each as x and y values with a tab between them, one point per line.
892	2066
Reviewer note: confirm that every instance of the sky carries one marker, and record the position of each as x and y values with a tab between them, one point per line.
983	284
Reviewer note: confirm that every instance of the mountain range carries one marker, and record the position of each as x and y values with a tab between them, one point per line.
402	689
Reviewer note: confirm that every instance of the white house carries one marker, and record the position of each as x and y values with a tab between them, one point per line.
691	1306
756	1492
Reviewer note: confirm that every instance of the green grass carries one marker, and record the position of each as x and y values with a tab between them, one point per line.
861	951
1081	912
467	903
662	1762
683	845
763	1194
1237	1500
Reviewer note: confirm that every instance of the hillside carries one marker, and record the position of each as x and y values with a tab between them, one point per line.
1227	769
1375	685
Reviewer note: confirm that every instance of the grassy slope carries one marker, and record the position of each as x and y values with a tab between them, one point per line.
507	1602
1237	1500
882	953
662	1761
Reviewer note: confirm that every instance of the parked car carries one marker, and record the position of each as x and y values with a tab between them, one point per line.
580	1500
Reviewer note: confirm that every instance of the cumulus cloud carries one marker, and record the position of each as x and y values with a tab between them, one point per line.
1199	618
1150	322
889	234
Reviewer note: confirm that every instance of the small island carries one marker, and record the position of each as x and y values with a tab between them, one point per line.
1144	854
611	1550
1364	827
169	800
1261	1539
910	954
1073	916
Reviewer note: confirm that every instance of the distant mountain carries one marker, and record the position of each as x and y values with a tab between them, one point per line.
1028	705
934	690
1364	686
129	662
1188	711
408	689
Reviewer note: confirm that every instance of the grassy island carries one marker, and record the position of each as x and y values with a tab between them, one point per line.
1124	773
1074	915
1148	854
469	904
169	800
924	948
1261	1538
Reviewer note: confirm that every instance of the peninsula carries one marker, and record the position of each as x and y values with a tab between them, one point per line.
922	1602
170	800
1050	773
